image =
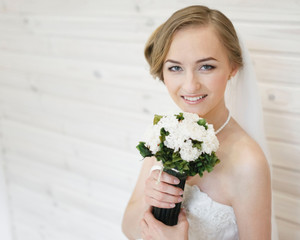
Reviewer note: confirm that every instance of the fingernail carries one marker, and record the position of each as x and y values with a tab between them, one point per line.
172	205
176	181
181	193
180	199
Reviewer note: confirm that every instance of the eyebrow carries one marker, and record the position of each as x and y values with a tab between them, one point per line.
198	61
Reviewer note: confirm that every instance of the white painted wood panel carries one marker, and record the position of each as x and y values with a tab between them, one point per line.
5	218
286	181
73	118
280	97
259	37
74	7
277	68
135	27
283	127
48	218
288	230
60	187
283	155
287	207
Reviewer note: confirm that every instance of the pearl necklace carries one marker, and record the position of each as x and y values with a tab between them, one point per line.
224	125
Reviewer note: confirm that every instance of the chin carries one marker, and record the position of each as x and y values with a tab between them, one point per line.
198	111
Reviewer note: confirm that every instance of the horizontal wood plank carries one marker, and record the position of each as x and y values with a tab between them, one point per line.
44	180
284	155
52	35
287	207
286	70
284	127
288	230
286	181
78	119
280	97
59	221
91	7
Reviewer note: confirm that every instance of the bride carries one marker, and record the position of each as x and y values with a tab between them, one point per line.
196	54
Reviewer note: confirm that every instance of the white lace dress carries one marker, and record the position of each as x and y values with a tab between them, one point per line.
208	220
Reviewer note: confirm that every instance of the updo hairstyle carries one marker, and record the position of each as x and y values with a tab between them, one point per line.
159	43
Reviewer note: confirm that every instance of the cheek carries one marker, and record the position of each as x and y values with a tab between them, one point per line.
171	84
170	87
218	83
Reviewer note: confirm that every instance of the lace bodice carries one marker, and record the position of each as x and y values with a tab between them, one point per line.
208	219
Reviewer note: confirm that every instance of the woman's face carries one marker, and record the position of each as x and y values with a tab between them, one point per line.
196	70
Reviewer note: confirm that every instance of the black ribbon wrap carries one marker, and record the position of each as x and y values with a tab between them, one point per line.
169	216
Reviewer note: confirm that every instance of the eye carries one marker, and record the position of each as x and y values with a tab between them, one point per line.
175	69
207	67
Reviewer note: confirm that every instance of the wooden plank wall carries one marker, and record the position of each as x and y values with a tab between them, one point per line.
76	96
5	221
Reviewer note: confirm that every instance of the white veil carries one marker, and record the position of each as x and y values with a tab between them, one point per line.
244	103
243	100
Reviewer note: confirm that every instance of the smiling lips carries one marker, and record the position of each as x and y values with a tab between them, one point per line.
194	100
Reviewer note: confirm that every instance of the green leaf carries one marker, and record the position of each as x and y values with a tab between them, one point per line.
164	154
176	157
163	134
144	151
209	168
171	159
202	122
199	164
156	119
179	116
197	144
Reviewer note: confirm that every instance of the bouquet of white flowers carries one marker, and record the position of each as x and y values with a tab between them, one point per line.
186	146
183	141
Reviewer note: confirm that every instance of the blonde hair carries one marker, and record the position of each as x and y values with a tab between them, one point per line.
159	43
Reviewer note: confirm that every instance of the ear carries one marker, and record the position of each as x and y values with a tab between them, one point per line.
234	70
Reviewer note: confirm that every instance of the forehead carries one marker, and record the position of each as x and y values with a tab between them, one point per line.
197	41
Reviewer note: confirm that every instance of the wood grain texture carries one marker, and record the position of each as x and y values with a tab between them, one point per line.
286	181
287	207
282	127
288	230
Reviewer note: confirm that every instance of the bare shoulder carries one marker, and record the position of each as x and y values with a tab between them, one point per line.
248	159
248	165
249	184
244	154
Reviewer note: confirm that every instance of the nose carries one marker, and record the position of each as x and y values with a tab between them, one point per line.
191	82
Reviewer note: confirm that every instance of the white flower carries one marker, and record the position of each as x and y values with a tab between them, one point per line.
188	152
180	136
152	138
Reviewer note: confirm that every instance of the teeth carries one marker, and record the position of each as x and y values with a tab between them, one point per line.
193	98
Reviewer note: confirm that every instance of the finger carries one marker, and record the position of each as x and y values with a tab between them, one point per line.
182	219
144	229
144	225
166	197
182	215
149	219
161	187
155	226
189	178
155	203
168	189
165	177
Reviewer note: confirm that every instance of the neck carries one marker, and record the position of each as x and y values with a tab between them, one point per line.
217	116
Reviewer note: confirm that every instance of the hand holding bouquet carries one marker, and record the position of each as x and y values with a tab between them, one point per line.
186	146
